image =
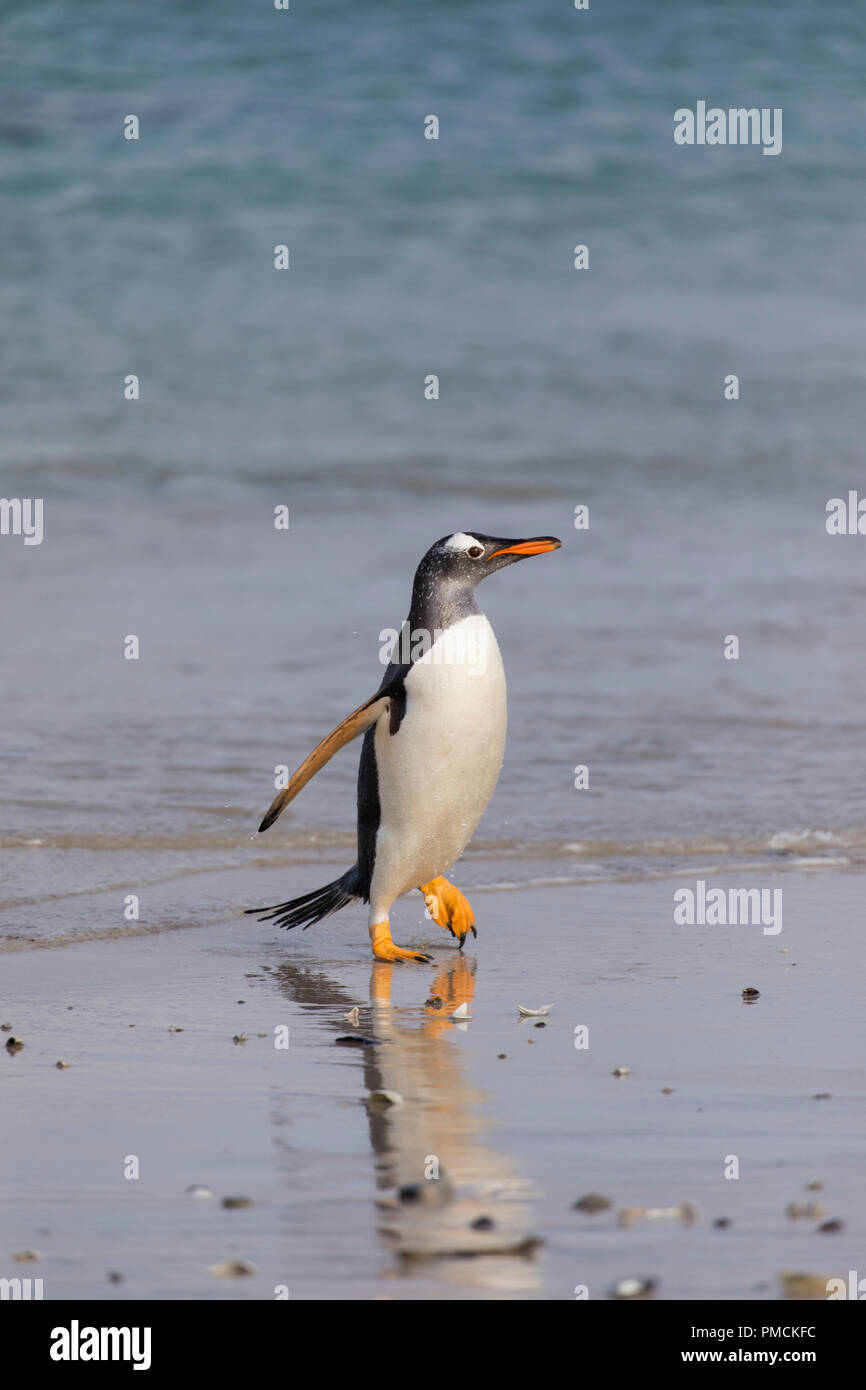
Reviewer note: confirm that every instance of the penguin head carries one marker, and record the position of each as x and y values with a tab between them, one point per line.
469	556
445	581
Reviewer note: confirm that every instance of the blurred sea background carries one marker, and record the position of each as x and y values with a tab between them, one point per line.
559	387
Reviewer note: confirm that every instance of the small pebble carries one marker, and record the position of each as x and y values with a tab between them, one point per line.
593	1202
831	1227
751	993
433	1192
231	1269
197	1191
502	1056
821	1095
239	1038
686	1212
621	1071
6	1027
798	1285
113	1277
814	1186
634	1288
434	1002
26	1257
61	1066
721	1223
808	1211
542	1024
14	1045
234	1203
172	1029
667	1090
483	1223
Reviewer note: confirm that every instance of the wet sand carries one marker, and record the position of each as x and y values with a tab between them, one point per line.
518	1139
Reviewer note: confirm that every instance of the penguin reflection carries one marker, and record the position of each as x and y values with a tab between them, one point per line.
452	1207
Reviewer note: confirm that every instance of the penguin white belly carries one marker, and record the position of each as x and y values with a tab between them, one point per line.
437	773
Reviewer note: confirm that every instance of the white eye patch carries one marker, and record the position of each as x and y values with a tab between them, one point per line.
460	541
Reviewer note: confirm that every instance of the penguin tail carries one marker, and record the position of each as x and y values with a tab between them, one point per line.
312	907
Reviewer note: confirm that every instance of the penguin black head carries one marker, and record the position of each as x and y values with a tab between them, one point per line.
469	556
445	580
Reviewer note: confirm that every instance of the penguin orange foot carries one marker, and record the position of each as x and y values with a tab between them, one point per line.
385	949
448	907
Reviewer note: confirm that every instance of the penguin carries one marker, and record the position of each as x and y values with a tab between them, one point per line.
433	745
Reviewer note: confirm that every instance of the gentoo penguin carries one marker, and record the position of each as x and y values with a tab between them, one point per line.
434	738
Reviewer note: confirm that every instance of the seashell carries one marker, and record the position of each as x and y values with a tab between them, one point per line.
385	1098
634	1288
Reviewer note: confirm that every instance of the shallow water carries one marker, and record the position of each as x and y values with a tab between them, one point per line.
123	775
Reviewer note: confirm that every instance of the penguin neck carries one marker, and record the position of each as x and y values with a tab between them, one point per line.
439	603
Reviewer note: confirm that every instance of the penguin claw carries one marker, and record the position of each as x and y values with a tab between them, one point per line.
449	908
385	949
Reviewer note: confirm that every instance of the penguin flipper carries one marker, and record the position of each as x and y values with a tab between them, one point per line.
358	722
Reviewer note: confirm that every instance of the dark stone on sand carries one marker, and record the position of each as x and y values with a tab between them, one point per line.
593	1202
356	1040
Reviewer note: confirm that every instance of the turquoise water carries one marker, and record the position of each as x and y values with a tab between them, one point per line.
411	256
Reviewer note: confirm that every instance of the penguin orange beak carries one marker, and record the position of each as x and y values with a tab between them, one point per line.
536	545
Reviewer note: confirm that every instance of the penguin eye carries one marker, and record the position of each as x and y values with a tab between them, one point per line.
475	551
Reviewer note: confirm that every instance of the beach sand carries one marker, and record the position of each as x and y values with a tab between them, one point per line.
517	1138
